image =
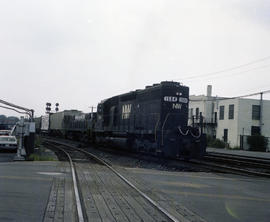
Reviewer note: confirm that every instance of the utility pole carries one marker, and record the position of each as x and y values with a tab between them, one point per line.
261	111
92	110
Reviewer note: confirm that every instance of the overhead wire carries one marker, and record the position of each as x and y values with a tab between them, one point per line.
225	70
237	73
227	98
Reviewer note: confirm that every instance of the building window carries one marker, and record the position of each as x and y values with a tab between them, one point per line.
197	113
255	130
231	111
221	112
256	109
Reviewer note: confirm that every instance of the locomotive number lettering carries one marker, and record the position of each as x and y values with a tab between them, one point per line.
170	98
126	110
174	99
183	100
176	105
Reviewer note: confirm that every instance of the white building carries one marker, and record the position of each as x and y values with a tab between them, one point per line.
229	119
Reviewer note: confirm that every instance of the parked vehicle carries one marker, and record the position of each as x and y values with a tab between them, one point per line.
5	132
8	143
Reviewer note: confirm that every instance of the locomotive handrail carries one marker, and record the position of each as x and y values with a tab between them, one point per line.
157	127
198	136
162	129
184	134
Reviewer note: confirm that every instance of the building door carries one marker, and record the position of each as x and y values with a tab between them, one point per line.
225	137
215	118
255	130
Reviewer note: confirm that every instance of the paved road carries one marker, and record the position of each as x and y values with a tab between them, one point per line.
25	188
214	197
6	156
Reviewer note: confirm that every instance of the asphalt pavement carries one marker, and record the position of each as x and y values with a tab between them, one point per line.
25	188
214	197
28	189
6	156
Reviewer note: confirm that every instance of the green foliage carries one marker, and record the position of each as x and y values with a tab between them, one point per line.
36	157
37	141
257	143
216	143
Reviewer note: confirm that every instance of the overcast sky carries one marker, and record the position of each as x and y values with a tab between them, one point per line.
78	52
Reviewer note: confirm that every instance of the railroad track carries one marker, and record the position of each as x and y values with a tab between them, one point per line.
94	186
260	160
214	162
236	164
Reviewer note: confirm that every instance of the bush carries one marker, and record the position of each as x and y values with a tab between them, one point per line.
257	143
216	143
37	141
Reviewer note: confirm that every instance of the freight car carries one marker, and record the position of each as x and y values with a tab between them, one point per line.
152	120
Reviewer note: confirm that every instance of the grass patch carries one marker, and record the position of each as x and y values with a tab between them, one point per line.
216	143
37	140
37	157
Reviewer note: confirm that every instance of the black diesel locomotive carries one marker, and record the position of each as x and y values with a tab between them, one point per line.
151	120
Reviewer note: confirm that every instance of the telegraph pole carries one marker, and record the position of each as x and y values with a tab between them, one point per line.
92	110
261	111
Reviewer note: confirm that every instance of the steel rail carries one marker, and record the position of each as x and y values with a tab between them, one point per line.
151	201
241	161
75	186
230	169
237	156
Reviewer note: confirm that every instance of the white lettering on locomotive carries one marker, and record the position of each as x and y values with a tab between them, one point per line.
170	98
176	105
174	99
183	100
126	110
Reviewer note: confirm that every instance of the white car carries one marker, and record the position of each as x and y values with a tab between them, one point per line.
5	132
8	143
